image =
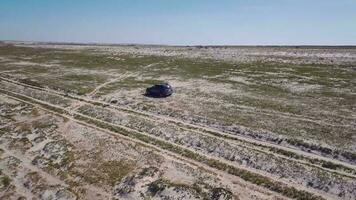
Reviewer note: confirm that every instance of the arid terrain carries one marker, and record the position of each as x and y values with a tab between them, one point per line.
243	122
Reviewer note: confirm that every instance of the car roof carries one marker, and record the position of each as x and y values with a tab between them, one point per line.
162	85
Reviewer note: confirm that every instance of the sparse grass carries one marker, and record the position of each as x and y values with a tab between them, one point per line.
5	180
43	124
35	112
28	81
34	177
246	175
108	172
77	83
2	132
270	87
128	84
88	111
159	185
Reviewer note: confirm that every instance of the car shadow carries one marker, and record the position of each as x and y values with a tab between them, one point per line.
154	96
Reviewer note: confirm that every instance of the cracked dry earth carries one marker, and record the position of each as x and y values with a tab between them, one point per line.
243	123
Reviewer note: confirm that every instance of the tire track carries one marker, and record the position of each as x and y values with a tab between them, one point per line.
191	127
270	182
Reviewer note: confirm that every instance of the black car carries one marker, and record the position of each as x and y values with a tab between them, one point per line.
159	90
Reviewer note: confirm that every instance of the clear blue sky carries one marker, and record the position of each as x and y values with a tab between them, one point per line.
183	22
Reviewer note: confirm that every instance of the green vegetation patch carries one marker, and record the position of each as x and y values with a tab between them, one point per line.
156	187
108	172
5	181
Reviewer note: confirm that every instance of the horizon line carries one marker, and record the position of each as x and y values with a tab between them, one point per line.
175	45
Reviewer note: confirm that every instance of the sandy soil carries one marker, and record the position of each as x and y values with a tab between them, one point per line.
243	122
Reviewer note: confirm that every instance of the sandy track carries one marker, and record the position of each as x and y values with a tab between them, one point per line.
188	126
92	93
72	113
167	154
246	189
244	108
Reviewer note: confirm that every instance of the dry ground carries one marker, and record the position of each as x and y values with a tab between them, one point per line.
243	123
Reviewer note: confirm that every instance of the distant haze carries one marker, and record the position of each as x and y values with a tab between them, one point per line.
181	22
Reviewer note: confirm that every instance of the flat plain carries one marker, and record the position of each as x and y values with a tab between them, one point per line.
243	122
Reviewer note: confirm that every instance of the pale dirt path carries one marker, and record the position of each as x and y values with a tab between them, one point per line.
7	71
75	105
192	126
236	139
92	93
244	189
240	143
96	89
244	108
166	154
262	173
